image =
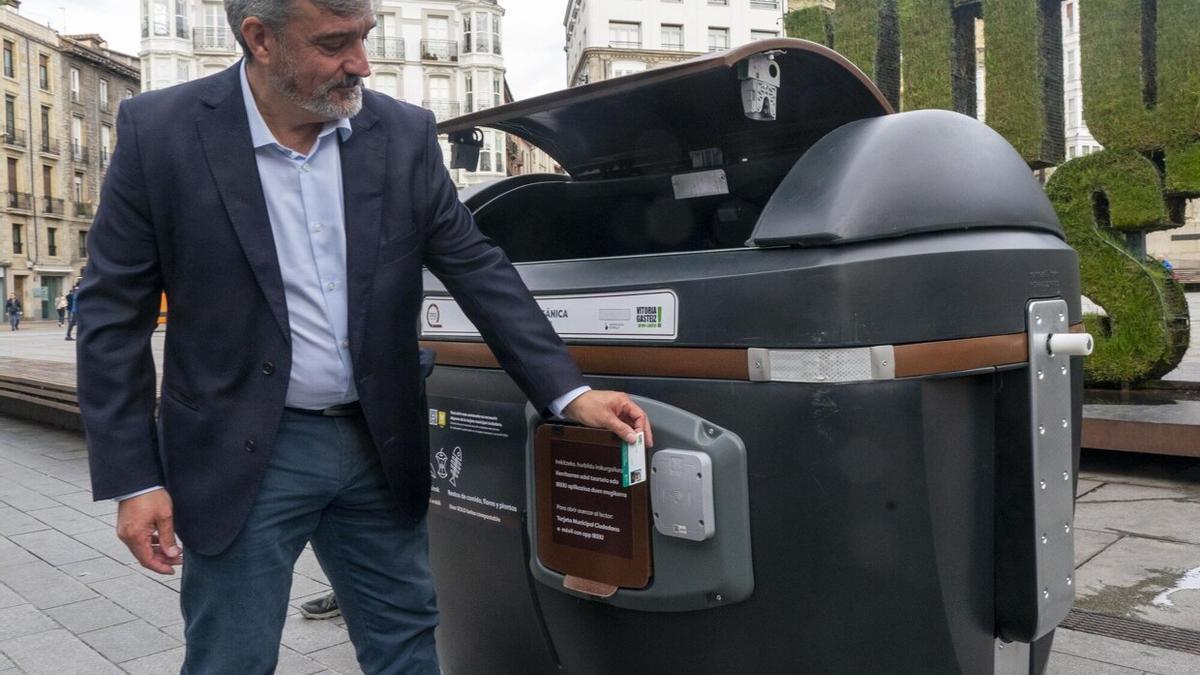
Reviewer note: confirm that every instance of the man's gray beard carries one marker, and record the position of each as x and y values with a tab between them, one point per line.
320	104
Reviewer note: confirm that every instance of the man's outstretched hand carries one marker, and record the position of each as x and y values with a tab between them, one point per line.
146	524
612	410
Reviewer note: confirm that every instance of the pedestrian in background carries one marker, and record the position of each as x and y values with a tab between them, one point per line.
61	305
72	310
12	310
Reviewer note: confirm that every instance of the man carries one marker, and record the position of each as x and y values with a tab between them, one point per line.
72	310
12	310
287	214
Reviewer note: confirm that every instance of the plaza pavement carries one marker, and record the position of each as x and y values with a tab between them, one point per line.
72	600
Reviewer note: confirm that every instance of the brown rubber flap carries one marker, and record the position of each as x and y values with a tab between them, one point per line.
588	525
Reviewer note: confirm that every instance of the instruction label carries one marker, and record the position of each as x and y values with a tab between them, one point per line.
477	460
648	315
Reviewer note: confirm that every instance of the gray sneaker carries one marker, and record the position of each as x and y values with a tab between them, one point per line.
322	608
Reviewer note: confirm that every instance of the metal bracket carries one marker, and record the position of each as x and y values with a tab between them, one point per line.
1052	489
854	364
760	78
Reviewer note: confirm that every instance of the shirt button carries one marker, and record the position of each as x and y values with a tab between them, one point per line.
305	168
268	368
317	227
345	344
250	446
331	285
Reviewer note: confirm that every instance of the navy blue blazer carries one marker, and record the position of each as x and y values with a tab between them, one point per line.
182	211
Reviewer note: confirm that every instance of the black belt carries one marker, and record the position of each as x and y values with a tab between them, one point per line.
341	410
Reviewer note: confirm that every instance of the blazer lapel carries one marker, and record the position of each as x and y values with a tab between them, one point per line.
363	172
225	137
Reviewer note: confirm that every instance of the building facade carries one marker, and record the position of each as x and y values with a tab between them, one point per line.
610	38
1078	139
61	95
444	55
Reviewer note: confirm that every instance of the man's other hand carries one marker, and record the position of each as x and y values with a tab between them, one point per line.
612	410
146	524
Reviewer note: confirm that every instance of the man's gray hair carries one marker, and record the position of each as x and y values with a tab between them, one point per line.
276	13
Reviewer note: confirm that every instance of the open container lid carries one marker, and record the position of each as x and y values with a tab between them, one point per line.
650	122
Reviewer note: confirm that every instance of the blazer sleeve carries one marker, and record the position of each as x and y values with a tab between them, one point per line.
483	281
118	304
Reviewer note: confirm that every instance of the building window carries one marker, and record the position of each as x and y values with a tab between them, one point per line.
491	158
672	36
1071	111
106	143
52	240
623	68
10	118
1069	9
77	188
718	39
83	244
104	94
385	83
763	34
624	34
128	94
12	179
722	3
469	90
181	18
18	243
75	85
44	72
497	90
1070	69
46	130
183	71
10	67
77	149
47	181
161	19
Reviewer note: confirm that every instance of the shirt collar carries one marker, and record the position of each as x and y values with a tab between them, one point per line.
260	133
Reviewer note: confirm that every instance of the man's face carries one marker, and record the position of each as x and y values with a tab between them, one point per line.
321	60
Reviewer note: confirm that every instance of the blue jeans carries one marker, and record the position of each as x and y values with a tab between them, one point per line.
323	483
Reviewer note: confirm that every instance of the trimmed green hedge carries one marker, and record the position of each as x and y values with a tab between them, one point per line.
856	32
1139	339
1015	105
1117	112
809	23
927	34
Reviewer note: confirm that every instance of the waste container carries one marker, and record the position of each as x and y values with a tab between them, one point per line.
853	331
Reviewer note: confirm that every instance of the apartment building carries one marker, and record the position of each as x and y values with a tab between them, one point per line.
610	38
444	55
61	94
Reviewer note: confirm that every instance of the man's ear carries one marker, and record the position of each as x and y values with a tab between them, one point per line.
259	39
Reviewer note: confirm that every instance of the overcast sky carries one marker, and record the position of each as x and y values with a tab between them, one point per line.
533	34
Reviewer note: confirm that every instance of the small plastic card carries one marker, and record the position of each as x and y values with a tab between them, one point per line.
633	461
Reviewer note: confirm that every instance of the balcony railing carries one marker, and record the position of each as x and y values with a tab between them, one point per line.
74	96
214	39
764	4
83	209
442	110
439	50
15	137
80	154
673	46
52	206
625	44
19	200
386	49
52	249
105	157
51	146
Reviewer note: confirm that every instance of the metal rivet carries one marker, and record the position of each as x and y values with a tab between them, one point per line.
1067	528
656	514
1041	430
1064	423
1037	318
1069	582
1066	475
699	477
1045	539
719	597
758	364
1062	370
1041	375
710	431
702	523
1043	484
1046	593
1061	317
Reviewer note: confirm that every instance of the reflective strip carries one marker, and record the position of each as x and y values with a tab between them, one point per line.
859	364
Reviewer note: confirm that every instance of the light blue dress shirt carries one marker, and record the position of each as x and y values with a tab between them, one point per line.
305	206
